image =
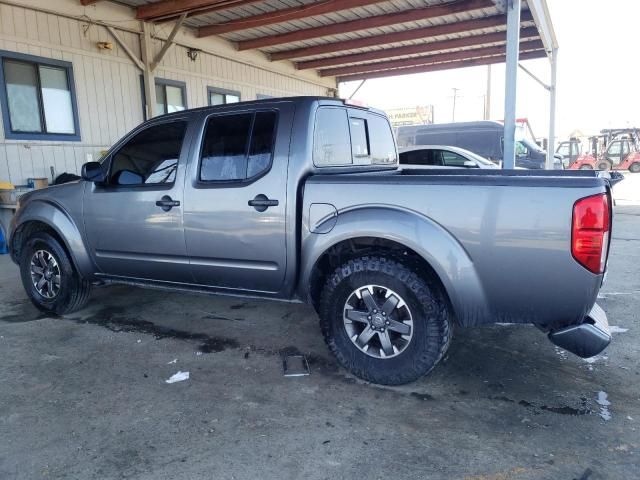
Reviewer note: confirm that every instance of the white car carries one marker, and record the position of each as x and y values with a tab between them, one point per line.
441	156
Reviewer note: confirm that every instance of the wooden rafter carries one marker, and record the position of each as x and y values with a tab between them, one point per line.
168	9
321	7
423	68
410	15
429	59
88	2
387	53
396	37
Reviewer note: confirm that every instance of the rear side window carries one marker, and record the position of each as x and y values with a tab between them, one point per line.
150	157
237	147
419	157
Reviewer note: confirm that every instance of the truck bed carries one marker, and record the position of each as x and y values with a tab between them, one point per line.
500	240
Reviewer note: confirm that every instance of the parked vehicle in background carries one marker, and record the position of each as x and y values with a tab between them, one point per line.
570	151
621	153
442	156
301	199
485	138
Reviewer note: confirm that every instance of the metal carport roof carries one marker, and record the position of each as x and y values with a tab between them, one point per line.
361	39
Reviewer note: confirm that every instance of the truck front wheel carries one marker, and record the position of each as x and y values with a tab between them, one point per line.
383	322
635	167
49	278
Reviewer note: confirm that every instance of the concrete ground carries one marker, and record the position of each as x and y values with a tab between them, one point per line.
85	397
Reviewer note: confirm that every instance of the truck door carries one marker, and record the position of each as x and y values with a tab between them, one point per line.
134	221
236	200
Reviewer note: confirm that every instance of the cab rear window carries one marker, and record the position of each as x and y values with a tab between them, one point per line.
343	137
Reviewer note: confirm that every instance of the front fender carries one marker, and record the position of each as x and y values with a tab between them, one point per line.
413	230
54	216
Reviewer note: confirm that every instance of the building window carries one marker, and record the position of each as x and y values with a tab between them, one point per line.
171	96
38	98
220	96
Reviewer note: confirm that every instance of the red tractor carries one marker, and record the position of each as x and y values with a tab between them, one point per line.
622	152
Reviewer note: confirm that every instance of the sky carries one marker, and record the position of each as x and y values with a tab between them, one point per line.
598	76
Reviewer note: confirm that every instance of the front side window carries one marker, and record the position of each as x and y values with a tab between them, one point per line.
40	100
237	147
451	159
150	157
564	150
615	148
332	144
219	96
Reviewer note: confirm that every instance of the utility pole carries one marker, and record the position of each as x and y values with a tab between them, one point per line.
487	97
455	95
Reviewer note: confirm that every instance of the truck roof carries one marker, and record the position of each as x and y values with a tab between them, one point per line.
301	100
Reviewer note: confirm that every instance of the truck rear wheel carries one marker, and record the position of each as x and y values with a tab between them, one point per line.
383	322
603	166
49	277
634	167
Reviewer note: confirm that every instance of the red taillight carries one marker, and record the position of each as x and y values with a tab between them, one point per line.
590	232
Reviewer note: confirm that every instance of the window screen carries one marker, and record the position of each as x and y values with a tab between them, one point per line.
237	147
332	145
150	157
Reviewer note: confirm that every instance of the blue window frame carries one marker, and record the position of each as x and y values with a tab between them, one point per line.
171	96
38	98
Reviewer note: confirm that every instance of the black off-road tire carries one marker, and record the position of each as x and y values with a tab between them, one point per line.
586	167
74	291
432	325
634	167
603	166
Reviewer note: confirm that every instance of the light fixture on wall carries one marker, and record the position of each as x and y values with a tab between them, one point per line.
192	53
105	45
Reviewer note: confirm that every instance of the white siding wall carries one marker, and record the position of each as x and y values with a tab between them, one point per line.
108	88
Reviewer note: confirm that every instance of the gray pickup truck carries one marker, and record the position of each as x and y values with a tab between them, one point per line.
301	199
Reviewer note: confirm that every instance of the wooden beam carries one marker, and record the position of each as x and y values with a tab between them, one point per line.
472	41
437	58
125	47
285	15
205	10
396	37
88	2
410	15
173	8
168	42
472	62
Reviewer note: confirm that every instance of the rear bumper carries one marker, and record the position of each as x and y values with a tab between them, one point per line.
586	339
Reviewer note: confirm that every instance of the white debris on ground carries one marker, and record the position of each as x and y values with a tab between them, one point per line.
605	414
616	329
178	377
175	360
139	341
592	360
561	353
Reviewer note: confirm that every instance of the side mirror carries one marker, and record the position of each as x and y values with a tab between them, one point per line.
470	164
92	172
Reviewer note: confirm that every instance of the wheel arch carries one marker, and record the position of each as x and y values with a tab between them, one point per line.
403	234
44	216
